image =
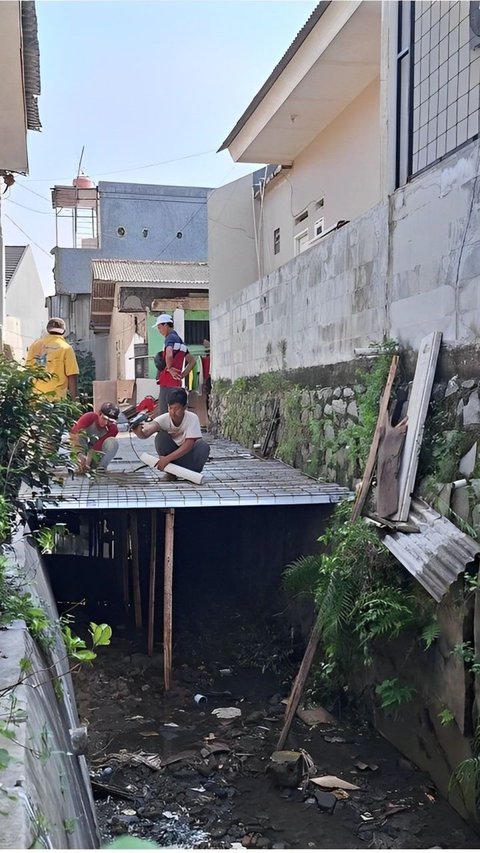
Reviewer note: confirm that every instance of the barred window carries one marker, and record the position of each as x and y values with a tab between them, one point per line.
445	81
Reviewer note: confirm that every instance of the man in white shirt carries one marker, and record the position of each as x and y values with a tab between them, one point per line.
179	435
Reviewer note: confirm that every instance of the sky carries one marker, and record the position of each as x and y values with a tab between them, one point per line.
149	89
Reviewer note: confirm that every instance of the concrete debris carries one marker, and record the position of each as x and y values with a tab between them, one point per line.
334	782
314	716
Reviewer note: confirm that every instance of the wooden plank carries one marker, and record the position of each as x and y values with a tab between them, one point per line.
137	595
123	544
167	598
151	585
417	412
372	456
298	687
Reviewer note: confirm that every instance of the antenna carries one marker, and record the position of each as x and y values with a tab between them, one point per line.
80	161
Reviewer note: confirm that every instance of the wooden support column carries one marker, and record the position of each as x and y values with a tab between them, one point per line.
153	574
297	690
167	598
122	543
137	595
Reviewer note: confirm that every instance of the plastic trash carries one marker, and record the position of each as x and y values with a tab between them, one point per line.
200	699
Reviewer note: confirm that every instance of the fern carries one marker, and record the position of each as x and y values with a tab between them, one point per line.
301	576
430	633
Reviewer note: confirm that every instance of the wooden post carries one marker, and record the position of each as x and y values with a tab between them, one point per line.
153	575
297	690
122	543
302	674
372	456
137	595
167	598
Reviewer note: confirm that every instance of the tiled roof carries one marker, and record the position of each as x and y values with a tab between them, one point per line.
152	272
31	63
13	256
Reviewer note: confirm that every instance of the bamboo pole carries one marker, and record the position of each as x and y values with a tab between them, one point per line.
122	541
167	598
302	675
153	574
299	684
137	595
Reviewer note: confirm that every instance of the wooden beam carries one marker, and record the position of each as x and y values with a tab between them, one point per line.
305	666
121	555
372	456
153	575
137	594
417	412
299	684
167	598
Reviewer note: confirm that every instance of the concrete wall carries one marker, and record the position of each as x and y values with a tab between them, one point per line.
232	256
402	269
314	310
25	306
47	798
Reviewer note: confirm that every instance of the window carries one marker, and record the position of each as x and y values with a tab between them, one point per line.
196	331
301	217
121	231
276	241
320	203
319	226
300	242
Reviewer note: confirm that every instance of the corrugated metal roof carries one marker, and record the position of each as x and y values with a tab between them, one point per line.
286	58
31	63
151	272
232	477
437	554
13	256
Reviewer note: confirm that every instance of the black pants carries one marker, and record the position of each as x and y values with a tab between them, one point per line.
194	460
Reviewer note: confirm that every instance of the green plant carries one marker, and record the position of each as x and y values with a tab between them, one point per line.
356	438
77	649
86	365
393	694
357	592
69	824
30	434
446	717
430	633
467	653
47	537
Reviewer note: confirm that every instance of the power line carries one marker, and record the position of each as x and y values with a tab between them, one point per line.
32	209
28	236
133	168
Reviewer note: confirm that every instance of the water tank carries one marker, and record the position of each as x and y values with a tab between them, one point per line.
83	182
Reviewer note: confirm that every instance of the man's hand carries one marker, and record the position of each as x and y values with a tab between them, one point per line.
82	464
162	462
174	372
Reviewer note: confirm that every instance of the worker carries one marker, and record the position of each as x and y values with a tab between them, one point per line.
93	437
178	435
57	357
176	361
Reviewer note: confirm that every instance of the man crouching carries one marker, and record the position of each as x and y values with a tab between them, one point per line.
179	435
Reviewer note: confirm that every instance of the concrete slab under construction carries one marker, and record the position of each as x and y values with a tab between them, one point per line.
232	477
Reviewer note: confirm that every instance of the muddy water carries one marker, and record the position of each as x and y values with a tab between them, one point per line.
213	787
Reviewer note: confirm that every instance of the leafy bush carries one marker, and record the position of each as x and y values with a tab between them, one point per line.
31	427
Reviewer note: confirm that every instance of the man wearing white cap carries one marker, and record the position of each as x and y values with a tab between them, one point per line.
177	361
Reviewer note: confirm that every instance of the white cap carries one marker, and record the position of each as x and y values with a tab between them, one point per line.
162	318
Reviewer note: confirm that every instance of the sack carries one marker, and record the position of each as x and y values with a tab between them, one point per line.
159	361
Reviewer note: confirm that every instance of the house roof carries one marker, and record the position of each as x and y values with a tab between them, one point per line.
286	58
437	554
13	256
151	272
179	276
332	61
31	63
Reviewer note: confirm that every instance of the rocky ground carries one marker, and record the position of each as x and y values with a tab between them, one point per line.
166	768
